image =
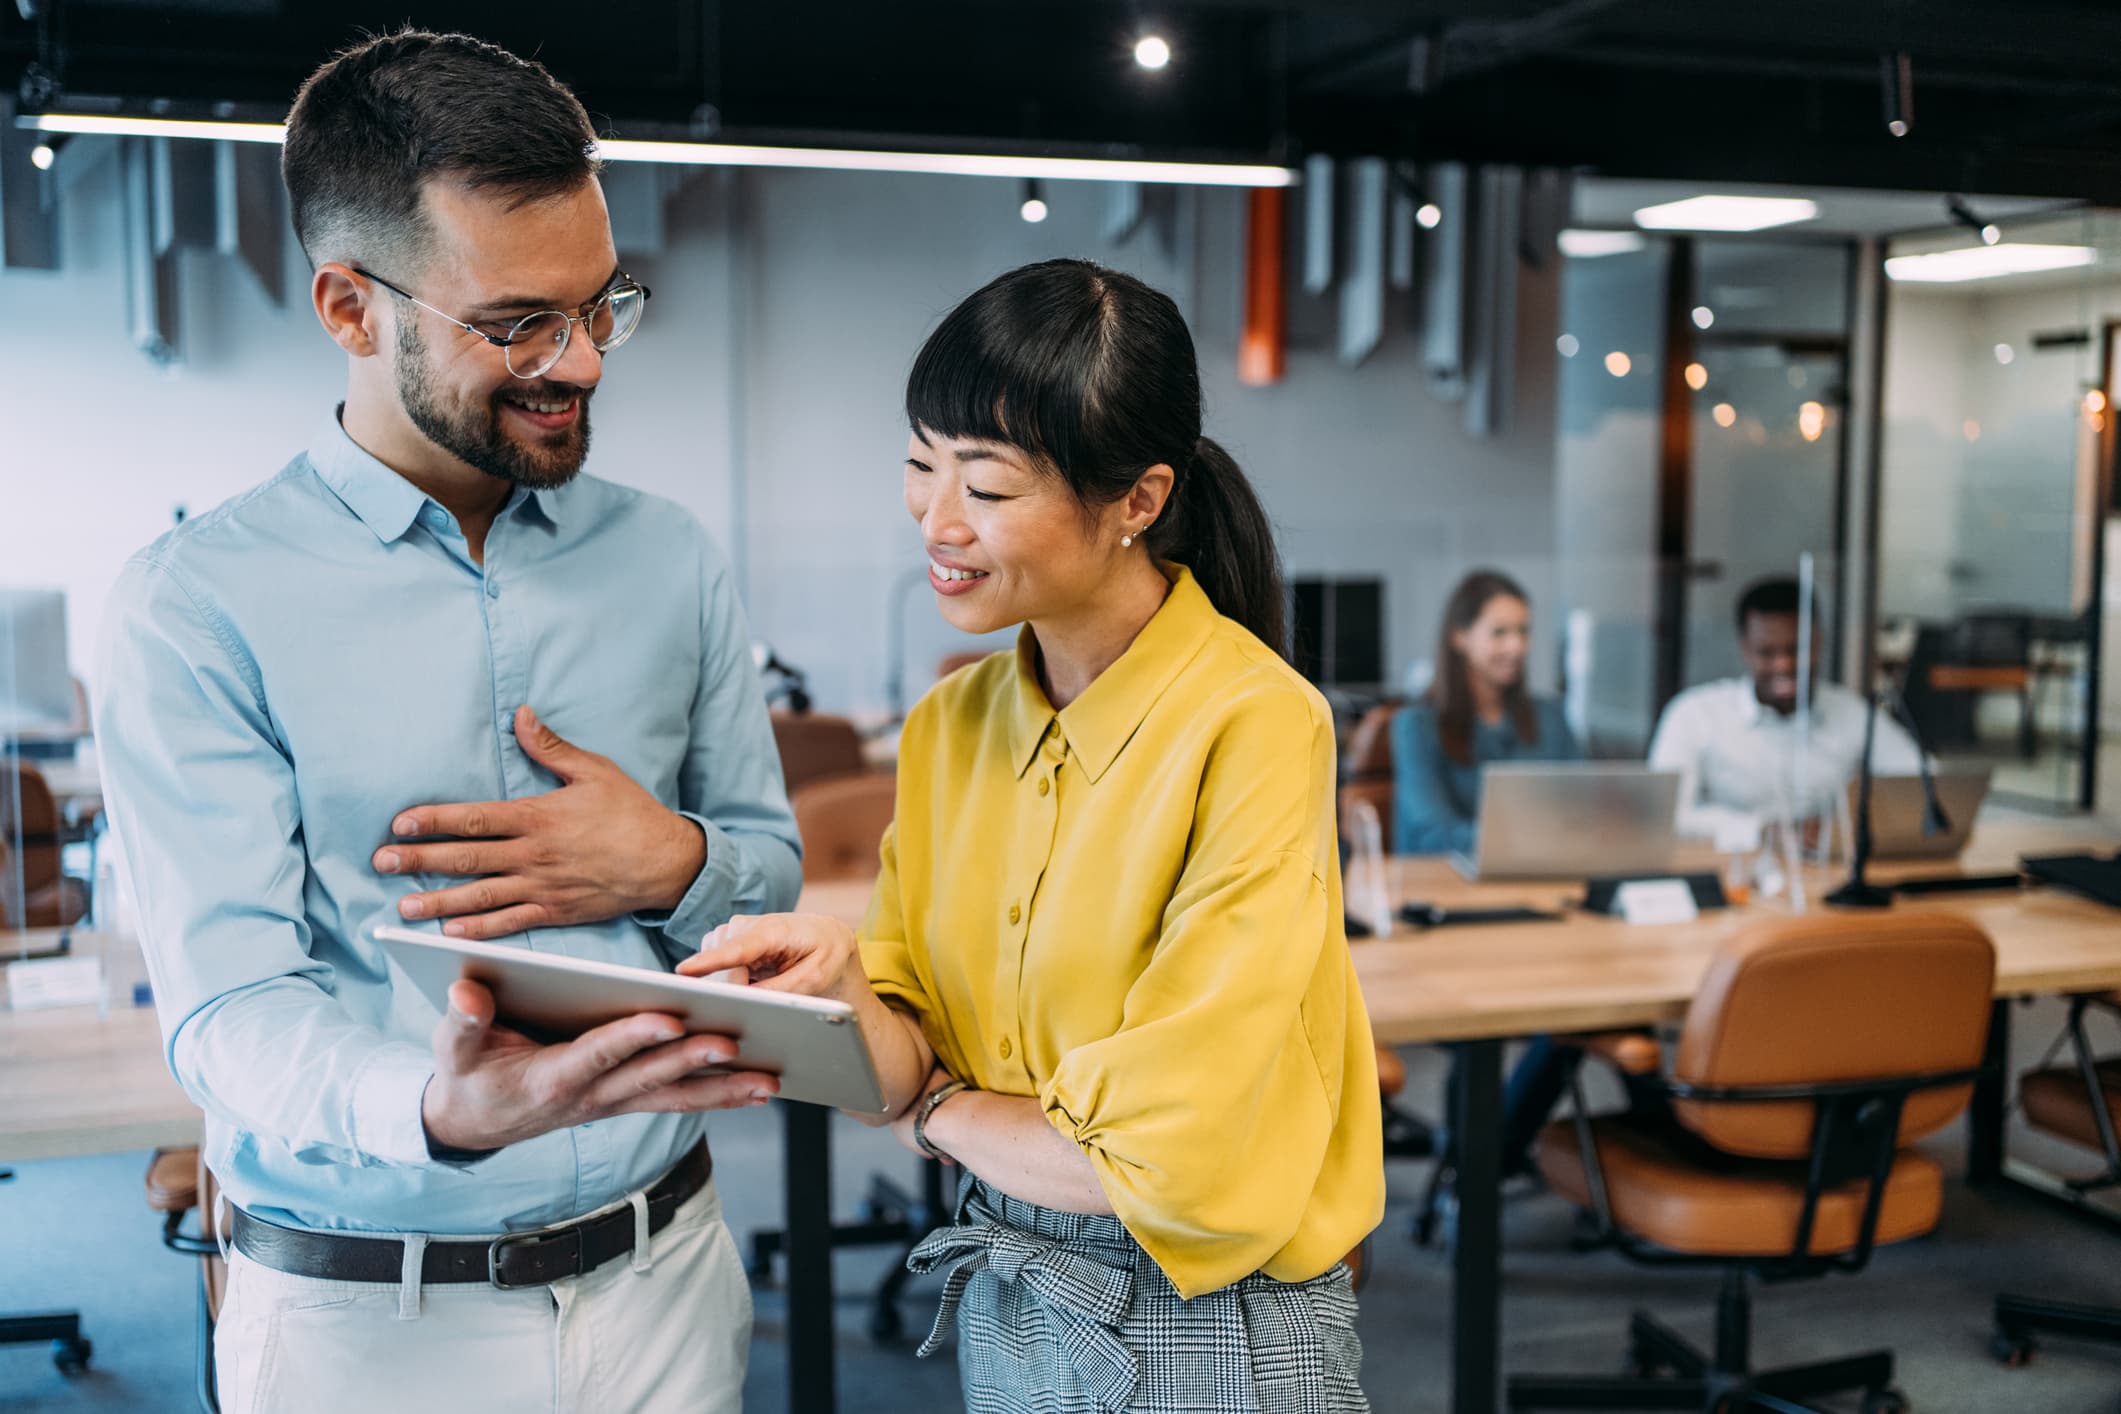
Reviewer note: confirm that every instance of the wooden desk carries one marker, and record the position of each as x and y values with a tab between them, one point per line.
77	788
80	1082
1479	986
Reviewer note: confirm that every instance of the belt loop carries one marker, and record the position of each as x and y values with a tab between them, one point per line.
409	1276
643	1255
223	1234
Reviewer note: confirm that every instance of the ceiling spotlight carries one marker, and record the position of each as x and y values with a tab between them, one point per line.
1989	231
1618	364
42	156
1430	215
1899	74
1697	376
1151	51
1567	346
1703	316
1034	207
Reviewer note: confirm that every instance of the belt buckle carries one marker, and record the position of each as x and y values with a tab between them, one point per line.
497	1250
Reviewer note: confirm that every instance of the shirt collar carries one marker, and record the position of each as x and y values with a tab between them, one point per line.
1754	712
386	502
1098	725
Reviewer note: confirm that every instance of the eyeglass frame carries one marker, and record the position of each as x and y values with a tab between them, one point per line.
622	283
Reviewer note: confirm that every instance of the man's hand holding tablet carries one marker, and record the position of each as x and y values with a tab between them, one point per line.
494	1087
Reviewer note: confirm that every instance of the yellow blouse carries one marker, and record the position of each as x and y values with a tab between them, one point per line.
1131	910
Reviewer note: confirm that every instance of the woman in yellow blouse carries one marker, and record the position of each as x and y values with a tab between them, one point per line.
1104	969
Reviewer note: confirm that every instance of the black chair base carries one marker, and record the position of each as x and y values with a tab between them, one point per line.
2020	1318
70	1348
1666	1371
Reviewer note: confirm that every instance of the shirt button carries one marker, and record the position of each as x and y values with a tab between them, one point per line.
1044	785
1006	1048
1015	914
493	589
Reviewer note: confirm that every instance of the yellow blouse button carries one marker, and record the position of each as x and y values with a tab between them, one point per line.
1015	914
1006	1048
1044	785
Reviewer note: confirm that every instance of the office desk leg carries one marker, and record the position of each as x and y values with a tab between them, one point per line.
1984	1115
807	1150
1476	1307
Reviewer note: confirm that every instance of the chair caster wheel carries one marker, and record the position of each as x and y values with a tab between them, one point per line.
885	1325
1885	1401
2012	1351
71	1356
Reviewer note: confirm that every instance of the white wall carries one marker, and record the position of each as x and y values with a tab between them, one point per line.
763	393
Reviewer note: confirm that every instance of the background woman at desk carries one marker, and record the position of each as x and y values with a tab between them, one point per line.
1104	968
1477	711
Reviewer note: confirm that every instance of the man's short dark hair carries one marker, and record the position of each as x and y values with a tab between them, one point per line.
1776	594
372	126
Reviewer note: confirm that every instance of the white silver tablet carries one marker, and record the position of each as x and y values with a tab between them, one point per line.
813	1044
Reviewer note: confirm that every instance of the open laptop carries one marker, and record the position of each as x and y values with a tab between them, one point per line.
1897	809
1573	820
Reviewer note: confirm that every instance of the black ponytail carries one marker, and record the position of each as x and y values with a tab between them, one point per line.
1214	525
1093	374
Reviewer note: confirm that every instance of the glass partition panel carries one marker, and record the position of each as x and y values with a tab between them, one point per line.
1993	511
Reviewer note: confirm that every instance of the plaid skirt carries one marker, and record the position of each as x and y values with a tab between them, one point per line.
1062	1313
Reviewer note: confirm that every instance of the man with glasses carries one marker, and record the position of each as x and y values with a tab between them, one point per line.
315	705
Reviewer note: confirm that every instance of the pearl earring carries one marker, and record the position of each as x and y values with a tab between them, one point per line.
1126	540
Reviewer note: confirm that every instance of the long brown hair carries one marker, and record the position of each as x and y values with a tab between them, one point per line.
1452	691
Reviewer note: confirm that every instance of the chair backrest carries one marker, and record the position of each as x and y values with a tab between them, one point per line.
951	662
39	822
1830	998
1378	795
1370	749
813	746
842	821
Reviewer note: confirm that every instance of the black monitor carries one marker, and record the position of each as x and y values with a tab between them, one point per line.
1338	631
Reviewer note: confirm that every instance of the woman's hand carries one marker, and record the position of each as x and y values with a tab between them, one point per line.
784	952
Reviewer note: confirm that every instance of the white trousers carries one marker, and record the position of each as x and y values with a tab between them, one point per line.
671	1339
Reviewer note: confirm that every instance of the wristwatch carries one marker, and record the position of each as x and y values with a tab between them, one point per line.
927	1107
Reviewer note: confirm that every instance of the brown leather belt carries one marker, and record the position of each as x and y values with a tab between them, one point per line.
516	1259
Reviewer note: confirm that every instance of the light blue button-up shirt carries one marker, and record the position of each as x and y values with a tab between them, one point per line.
280	677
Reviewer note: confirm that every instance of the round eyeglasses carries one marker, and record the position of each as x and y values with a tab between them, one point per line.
534	343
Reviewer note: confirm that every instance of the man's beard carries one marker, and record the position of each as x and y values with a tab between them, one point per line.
474	435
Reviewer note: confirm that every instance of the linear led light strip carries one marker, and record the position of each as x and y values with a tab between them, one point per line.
706	154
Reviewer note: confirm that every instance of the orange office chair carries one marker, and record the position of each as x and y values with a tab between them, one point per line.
2079	1102
177	1182
50	898
842	820
1816	1052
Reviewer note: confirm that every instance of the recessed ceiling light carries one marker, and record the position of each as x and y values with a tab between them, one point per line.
1152	51
1727	213
1587	245
1986	262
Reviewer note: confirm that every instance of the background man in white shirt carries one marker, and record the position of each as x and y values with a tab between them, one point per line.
1745	752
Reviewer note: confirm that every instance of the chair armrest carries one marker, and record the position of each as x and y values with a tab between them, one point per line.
173	1180
1391	1072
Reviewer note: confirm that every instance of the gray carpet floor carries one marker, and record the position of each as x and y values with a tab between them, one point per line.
75	1233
